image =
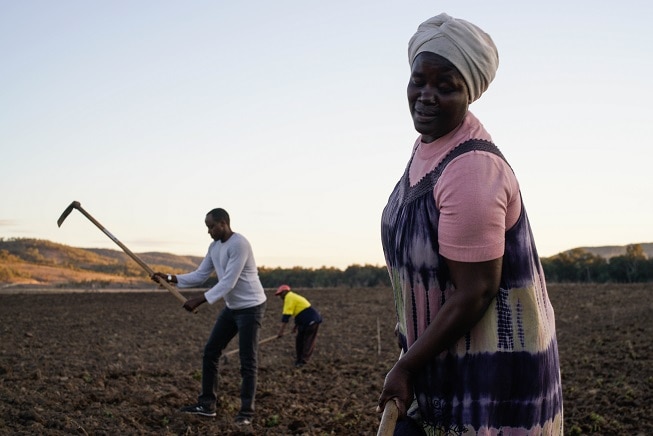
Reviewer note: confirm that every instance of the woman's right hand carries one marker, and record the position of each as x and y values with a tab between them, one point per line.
398	386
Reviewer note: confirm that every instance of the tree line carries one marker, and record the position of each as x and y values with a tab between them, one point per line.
576	266
354	276
573	266
581	266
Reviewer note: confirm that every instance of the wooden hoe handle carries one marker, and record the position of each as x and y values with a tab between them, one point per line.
138	260
388	419
262	341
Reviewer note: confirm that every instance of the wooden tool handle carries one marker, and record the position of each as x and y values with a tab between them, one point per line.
388	419
127	251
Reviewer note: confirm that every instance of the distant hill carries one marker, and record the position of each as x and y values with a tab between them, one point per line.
41	262
609	251
170	261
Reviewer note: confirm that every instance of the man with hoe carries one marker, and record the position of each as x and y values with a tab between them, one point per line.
230	256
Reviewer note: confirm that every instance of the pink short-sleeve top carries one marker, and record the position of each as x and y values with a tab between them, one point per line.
477	194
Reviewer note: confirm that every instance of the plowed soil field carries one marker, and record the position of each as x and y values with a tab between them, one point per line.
109	363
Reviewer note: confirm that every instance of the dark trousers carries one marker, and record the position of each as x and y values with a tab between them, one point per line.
408	427
305	342
247	324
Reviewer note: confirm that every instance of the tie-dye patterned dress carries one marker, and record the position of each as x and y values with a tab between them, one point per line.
503	376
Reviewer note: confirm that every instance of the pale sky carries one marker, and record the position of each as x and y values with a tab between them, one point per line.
292	115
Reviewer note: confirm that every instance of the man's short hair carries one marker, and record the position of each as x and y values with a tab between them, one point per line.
219	214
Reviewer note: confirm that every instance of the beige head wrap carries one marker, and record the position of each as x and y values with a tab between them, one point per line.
466	46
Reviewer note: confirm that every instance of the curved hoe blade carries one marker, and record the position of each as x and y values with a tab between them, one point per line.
64	215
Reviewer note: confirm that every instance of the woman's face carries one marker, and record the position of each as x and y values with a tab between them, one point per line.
437	96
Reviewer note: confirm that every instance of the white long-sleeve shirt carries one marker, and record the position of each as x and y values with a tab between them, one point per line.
238	280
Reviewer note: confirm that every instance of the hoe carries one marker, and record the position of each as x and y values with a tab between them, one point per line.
162	282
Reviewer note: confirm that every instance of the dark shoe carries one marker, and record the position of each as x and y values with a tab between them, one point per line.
243	420
198	409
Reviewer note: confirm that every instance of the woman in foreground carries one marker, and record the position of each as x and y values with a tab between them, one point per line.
477	330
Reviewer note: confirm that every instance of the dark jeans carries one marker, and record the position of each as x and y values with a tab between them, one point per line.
305	342
247	324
